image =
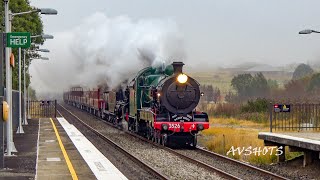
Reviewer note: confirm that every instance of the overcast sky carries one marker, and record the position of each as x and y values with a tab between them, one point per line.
216	32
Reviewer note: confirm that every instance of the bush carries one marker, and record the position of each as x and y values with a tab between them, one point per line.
225	110
255	116
259	105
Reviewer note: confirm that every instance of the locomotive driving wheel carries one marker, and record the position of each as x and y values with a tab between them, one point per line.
164	139
154	137
157	137
195	141
149	133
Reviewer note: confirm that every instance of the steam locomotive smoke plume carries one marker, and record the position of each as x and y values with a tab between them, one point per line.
106	50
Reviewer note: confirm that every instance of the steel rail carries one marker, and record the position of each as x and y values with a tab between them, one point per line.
202	164
132	157
262	171
193	161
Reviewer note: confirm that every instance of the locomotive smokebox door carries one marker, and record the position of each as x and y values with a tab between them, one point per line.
181	93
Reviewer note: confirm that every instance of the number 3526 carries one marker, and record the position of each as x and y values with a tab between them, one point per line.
175	126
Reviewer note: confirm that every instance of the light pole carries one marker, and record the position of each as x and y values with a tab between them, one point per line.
8	17
25	122
308	31
8	71
44	36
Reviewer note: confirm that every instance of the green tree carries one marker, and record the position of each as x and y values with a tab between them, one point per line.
260	85
210	93
32	94
242	84
314	83
248	86
301	71
216	95
23	23
273	84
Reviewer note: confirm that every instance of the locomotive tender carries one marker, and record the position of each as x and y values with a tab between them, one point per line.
159	103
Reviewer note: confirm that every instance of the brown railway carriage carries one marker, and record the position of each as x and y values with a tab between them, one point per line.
95	99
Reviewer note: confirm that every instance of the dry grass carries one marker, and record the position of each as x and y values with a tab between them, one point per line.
232	122
223	139
225	134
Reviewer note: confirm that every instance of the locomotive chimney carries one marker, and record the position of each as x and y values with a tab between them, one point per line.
177	67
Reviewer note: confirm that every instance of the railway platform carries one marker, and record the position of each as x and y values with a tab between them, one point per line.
57	157
306	142
51	148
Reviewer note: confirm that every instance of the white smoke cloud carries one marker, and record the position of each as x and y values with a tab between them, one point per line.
106	50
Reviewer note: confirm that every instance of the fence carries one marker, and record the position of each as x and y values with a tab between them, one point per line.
42	109
295	117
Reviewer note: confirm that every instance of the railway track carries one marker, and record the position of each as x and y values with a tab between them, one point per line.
237	168
223	166
144	166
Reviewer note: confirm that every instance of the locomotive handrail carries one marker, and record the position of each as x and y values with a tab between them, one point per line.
144	86
147	109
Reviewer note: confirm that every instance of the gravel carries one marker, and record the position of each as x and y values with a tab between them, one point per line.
167	163
129	168
293	169
231	168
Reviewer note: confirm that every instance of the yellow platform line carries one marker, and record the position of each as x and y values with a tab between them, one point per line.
64	152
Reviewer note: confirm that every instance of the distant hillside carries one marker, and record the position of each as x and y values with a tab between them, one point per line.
221	77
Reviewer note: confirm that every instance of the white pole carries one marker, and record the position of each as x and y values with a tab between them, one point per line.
8	88
25	122
20	128
29	107
13	147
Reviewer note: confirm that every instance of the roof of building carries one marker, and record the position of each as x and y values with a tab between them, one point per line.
263	68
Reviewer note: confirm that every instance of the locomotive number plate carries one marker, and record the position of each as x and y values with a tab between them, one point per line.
175	126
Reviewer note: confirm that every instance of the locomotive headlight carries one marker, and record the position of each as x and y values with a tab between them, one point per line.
182	78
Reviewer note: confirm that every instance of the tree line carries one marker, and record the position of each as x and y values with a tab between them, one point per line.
252	94
304	85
